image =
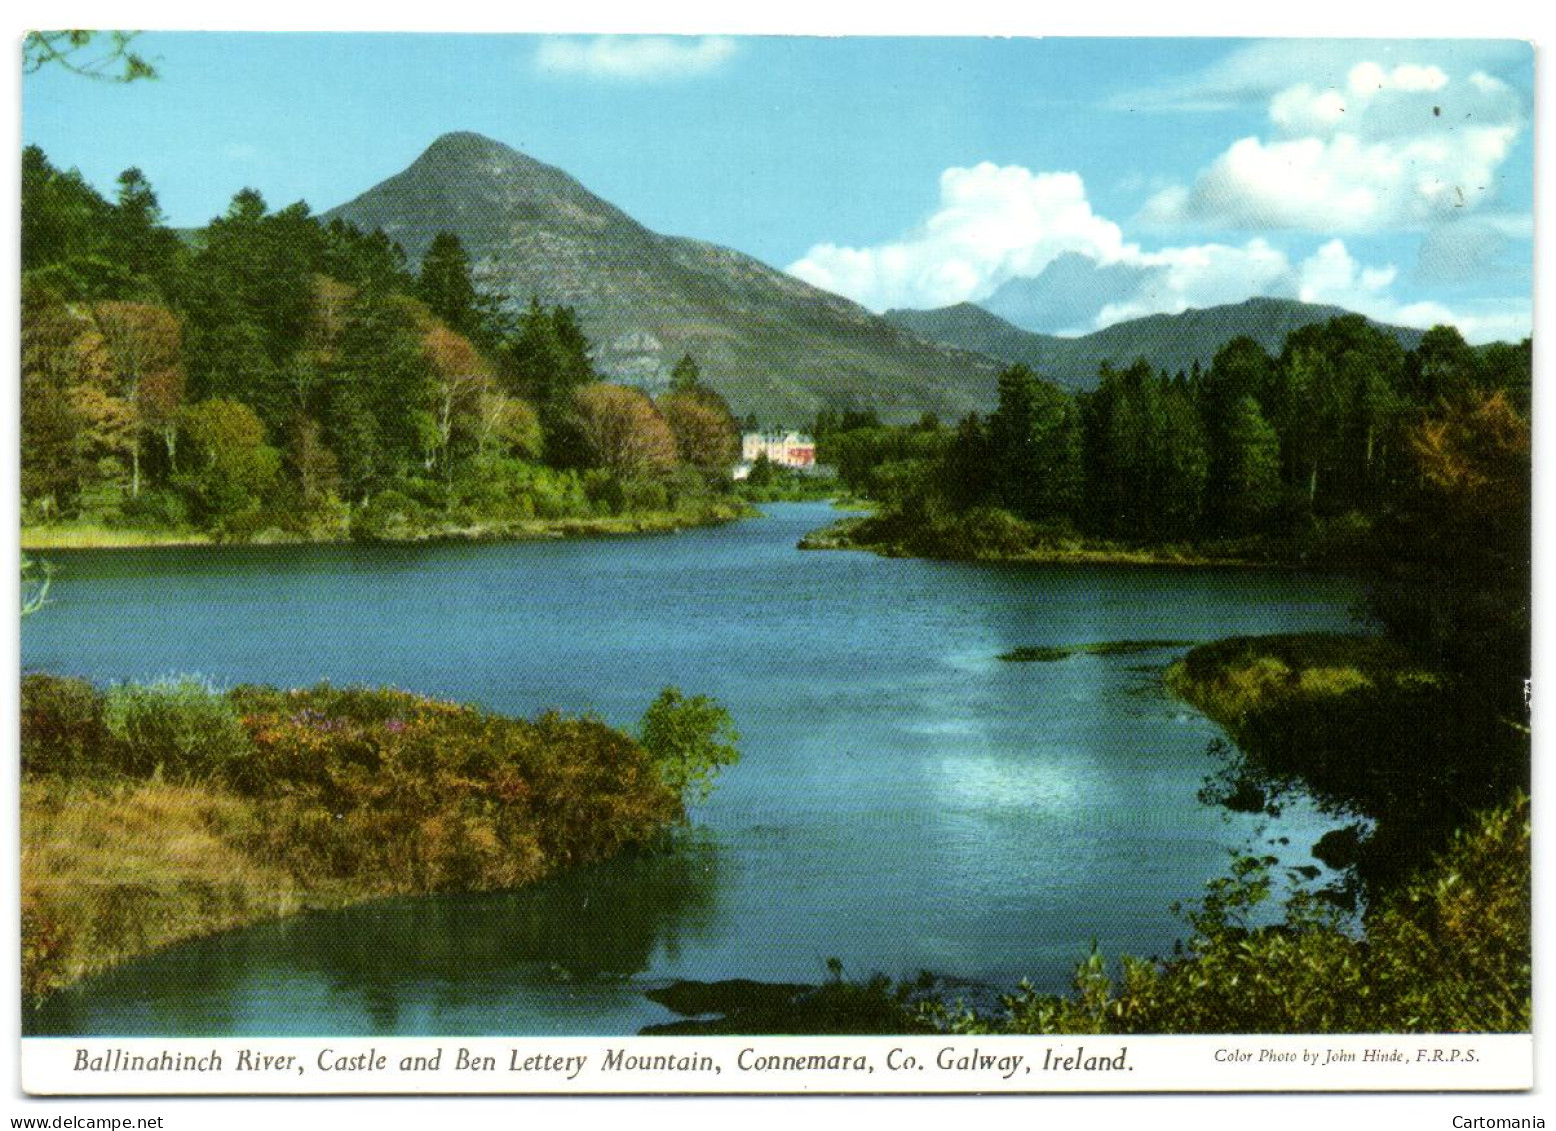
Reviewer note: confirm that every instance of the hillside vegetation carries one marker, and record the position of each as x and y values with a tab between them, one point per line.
276	377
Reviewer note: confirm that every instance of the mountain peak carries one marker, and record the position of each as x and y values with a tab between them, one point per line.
768	342
462	147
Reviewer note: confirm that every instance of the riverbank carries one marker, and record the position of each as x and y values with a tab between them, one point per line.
871	534
99	536
1366	728
156	814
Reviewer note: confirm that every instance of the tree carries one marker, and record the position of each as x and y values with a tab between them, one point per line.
1034	446
460	376
444	283
56	362
686	376
382	368
138	235
506	426
1442	367
690	740
143	346
230	467
1248	462
623	432
102	55
311	463
546	362
705	437
1456	572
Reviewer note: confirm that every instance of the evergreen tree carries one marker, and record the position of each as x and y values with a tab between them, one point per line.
1248	461
139	238
686	376
444	283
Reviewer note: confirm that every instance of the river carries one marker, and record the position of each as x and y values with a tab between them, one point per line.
906	800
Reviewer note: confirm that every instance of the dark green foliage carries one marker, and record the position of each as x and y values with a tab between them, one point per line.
380	383
444	283
1244	487
228	467
686	376
363	259
1296	457
389	516
155	510
1146	457
256	269
139	239
1034	449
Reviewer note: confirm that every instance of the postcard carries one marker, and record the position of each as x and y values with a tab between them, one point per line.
670	564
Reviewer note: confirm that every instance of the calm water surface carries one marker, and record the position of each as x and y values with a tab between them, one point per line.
906	801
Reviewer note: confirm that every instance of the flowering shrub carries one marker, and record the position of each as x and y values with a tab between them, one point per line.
433	794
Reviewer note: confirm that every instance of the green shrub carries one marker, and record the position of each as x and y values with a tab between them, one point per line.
389	516
181	728
689	740
640	495
154	510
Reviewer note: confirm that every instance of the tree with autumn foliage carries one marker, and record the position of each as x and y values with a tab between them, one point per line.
1455	572
143	349
460	378
623	432
707	435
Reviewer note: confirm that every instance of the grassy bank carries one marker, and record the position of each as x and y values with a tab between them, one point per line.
99	536
1366	728
1005	539
152	814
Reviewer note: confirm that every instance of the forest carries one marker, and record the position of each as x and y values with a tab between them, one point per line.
1291	457
273	376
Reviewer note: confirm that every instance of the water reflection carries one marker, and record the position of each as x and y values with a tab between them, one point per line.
470	964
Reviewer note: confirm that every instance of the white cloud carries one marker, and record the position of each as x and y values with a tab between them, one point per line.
1400	146
1332	275
1206	275
1258	70
634	58
993	223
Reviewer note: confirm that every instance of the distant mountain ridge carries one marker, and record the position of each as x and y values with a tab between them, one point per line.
773	345
1168	341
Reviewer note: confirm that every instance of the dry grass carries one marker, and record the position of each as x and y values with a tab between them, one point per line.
110	873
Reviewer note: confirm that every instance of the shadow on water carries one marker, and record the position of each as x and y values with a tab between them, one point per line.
420	965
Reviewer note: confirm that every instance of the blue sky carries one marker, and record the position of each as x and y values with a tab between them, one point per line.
1391	177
